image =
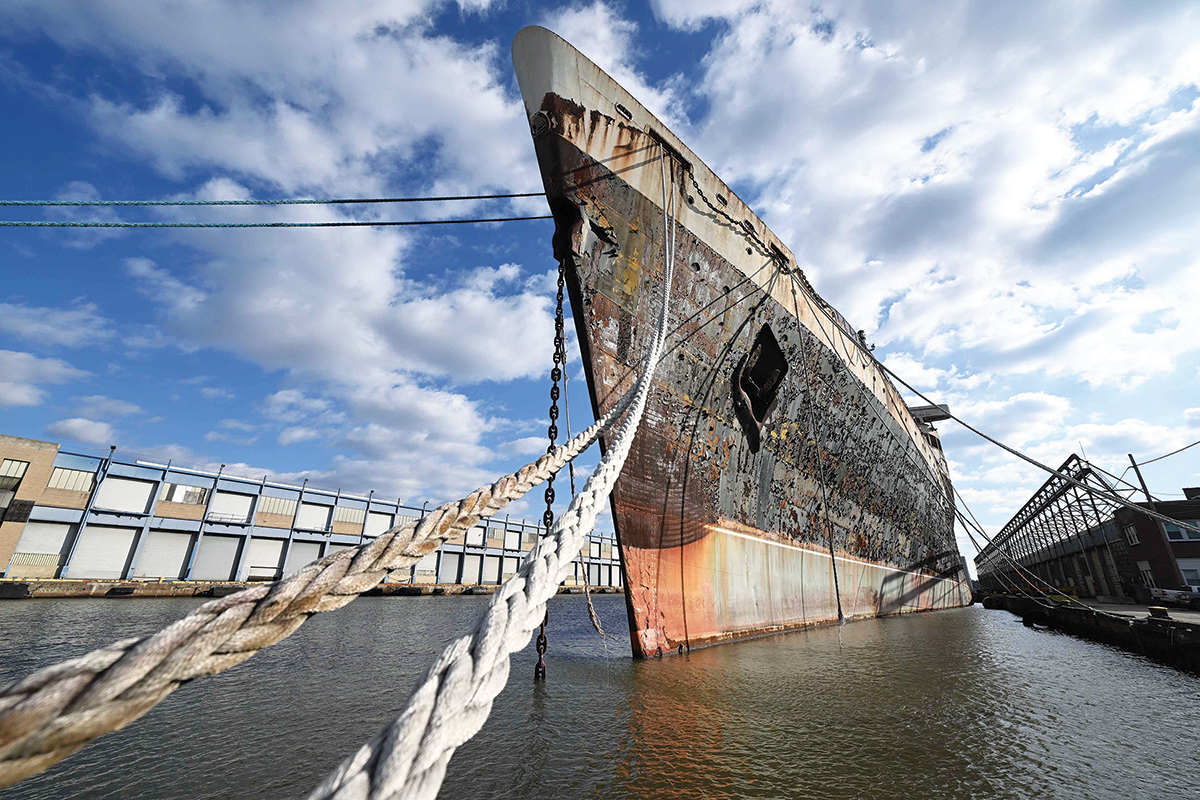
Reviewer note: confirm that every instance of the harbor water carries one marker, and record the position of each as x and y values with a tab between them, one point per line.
965	703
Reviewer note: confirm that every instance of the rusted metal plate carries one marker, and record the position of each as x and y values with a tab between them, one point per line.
842	502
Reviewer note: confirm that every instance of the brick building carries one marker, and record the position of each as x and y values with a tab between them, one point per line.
1166	555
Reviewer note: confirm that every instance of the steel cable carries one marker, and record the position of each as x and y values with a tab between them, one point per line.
408	759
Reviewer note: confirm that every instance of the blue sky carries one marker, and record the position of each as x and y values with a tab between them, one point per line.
1004	196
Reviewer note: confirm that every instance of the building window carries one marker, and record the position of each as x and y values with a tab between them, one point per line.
71	480
1177	534
11	473
1131	535
277	505
1191	577
182	493
354	516
1148	579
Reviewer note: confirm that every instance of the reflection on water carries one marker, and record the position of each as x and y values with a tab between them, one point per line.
954	704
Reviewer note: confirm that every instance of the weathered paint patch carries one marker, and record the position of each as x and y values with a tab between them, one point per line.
839	472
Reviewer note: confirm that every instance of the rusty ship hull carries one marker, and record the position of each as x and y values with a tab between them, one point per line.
777	480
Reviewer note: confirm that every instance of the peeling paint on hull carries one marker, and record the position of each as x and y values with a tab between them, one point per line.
844	502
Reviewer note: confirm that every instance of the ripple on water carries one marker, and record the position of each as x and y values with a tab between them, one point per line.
957	704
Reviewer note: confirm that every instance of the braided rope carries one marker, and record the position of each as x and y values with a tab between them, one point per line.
337	201
343	224
408	758
57	710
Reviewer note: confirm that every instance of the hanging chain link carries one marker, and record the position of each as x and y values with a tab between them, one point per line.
539	671
556	374
560	359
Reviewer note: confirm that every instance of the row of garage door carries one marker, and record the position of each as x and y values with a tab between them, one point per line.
133	496
103	552
472	568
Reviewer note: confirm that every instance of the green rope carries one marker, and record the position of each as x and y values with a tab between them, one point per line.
333	202
354	224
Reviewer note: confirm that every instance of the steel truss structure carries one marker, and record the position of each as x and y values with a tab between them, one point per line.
1065	534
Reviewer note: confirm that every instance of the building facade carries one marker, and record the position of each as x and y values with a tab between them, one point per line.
104	517
1073	536
1166	556
1064	537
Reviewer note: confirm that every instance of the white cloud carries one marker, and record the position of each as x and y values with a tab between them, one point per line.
495	336
83	430
690	16
229	429
291	405
1006	201
84	239
156	283
988	186
22	373
525	446
297	434
601	34
77	326
325	306
324	302
182	454
226	436
98	405
292	93
217	393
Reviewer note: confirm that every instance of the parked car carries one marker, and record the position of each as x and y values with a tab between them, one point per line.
1188	597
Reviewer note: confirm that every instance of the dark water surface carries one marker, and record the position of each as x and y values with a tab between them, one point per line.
954	704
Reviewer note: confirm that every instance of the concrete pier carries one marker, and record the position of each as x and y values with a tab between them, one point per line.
1173	638
47	588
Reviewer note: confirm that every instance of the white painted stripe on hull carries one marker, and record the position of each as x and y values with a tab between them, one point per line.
823	554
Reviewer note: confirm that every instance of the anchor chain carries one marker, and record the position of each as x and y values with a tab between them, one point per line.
560	359
539	671
556	374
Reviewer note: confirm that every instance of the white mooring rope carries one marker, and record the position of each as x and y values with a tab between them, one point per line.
408	758
54	712
57	710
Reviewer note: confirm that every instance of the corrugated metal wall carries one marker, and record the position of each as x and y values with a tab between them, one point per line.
472	564
313	516
378	523
448	569
124	494
43	537
300	554
491	569
163	555
101	552
216	559
263	557
231	506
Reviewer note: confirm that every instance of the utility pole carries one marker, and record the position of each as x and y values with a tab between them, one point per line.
1137	471
1162	531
